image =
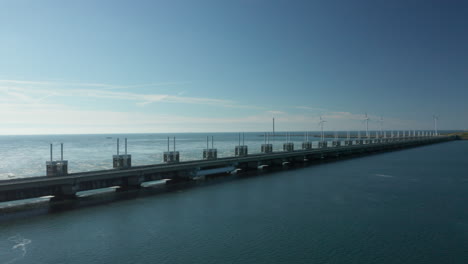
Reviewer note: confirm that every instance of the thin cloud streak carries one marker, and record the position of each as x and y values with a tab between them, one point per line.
275	112
17	90
308	108
97	85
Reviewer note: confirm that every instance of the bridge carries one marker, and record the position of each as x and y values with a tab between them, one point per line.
128	177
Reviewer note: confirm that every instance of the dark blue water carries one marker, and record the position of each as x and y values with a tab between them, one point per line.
407	206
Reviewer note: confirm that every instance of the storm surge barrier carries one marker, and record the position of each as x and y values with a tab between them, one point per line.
62	185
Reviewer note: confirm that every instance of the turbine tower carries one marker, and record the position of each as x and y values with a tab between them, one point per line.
321	125
366	118
273	126
381	125
435	124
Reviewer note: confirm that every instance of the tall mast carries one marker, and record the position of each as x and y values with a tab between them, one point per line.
435	124
273	126
321	125
367	125
381	126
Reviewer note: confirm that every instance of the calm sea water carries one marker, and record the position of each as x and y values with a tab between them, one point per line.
407	206
25	156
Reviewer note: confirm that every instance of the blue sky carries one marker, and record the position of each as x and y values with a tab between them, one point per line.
195	66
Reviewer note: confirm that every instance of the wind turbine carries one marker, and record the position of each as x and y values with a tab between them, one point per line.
366	118
381	125
321	125
435	123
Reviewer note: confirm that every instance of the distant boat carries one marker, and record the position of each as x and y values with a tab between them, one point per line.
109	137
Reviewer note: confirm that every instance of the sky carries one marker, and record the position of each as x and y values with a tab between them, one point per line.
118	66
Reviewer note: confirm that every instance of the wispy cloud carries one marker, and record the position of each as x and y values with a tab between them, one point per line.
29	91
18	95
84	84
276	112
24	82
45	97
308	108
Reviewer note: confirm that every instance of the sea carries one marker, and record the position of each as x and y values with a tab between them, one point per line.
405	206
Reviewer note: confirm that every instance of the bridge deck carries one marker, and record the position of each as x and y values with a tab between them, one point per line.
70	184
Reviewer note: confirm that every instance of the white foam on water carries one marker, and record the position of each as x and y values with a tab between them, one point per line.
383	175
20	245
8	176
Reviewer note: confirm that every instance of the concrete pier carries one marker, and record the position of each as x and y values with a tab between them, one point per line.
171	156
306	145
266	147
241	150
210	153
322	144
66	186
56	167
122	161
288	146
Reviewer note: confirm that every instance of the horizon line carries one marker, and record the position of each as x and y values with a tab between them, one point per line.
219	132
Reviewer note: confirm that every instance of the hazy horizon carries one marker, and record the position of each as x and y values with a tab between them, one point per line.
292	133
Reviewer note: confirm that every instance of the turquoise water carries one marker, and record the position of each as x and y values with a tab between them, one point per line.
407	206
25	156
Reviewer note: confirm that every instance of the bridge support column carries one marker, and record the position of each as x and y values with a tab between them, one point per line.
336	143
171	156
66	192
121	161
241	151
210	153
306	145
131	183
58	167
289	146
322	144
267	148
